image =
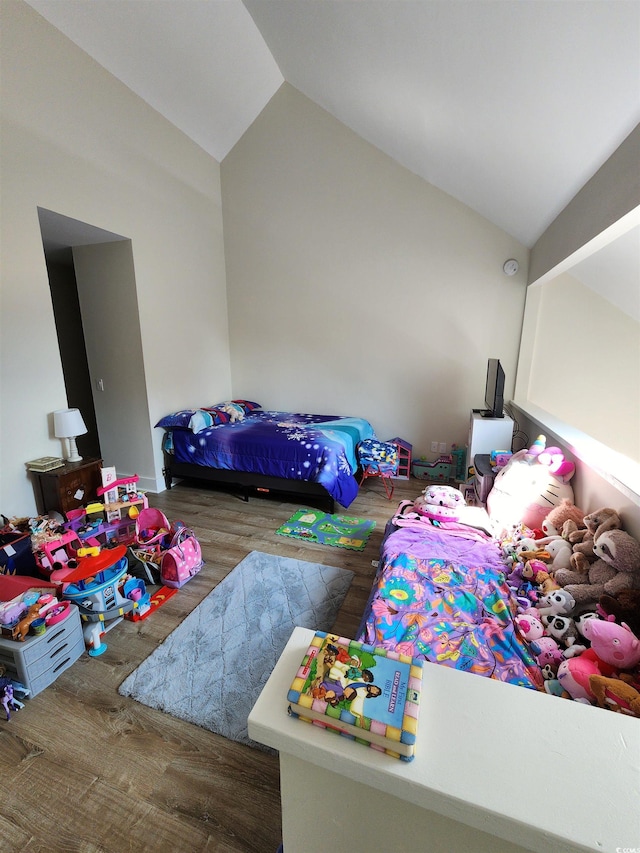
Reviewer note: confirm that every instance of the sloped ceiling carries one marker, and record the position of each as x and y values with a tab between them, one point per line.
510	106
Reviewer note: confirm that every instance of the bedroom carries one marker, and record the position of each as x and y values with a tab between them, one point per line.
64	150
157	188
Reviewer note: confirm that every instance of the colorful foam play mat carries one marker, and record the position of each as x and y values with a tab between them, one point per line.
341	531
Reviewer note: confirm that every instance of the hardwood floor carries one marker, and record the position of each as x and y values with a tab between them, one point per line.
85	769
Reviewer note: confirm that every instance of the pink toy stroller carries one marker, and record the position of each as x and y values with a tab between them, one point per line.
153	531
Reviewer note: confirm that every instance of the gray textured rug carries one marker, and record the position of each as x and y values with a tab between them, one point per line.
211	669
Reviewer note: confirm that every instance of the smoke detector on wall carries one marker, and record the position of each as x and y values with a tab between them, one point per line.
511	267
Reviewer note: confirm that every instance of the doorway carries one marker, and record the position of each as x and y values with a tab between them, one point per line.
59	235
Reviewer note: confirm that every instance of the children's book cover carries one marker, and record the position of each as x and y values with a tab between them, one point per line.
361	691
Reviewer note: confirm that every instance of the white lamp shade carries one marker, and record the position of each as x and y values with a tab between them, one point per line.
68	423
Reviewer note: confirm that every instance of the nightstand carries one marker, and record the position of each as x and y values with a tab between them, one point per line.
72	485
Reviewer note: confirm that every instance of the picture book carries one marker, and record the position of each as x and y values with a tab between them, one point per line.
360	691
45	463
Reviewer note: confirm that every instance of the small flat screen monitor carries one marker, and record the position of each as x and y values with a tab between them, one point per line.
494	390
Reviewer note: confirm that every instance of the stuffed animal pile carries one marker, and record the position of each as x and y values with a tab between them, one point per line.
576	580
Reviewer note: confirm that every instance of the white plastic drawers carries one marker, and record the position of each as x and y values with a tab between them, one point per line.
39	660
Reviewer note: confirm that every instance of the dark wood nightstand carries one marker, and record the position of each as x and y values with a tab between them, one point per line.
72	485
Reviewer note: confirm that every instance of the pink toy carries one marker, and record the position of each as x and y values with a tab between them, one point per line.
441	503
614	644
547	652
574	674
530	626
554	459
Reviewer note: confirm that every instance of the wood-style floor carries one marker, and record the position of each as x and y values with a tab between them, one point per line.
85	769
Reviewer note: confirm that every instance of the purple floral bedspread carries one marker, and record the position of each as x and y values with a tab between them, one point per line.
440	595
296	446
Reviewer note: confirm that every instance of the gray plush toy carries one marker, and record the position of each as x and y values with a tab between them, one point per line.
617	567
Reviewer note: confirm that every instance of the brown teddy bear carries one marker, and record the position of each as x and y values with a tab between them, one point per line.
557	518
617	567
582	540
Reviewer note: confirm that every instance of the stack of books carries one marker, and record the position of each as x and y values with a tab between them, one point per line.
45	463
360	691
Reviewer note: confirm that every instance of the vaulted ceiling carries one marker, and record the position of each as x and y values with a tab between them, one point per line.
510	106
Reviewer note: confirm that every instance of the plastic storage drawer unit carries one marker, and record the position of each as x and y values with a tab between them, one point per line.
39	660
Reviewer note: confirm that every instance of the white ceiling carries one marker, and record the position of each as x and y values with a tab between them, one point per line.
510	106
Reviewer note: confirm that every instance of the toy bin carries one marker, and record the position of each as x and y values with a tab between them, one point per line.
41	658
436	472
16	556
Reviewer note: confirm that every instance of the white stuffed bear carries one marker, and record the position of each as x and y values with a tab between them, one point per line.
235	412
560	552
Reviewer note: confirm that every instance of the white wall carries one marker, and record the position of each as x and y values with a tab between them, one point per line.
105	275
76	141
593	488
588	376
355	287
598	346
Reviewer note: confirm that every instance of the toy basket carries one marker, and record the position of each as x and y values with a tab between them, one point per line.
152	530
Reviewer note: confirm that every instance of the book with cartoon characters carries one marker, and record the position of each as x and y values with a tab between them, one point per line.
360	691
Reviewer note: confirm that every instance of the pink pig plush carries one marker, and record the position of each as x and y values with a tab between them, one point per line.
615	644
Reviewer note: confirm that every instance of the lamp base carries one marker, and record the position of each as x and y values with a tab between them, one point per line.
73	456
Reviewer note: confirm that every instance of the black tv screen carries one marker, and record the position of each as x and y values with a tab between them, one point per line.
494	390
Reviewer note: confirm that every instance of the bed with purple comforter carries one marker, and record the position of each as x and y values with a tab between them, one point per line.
440	595
273	447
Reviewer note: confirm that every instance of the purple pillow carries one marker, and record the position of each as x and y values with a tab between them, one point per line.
194	420
177	420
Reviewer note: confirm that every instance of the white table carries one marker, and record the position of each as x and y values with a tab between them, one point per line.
497	768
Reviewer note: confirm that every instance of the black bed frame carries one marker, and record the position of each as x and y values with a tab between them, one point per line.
247	483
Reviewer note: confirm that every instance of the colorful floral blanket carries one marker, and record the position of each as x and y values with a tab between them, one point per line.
440	595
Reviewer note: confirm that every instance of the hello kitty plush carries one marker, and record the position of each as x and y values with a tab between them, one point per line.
525	489
440	503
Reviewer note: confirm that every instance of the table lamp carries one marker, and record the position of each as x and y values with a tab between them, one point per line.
68	423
